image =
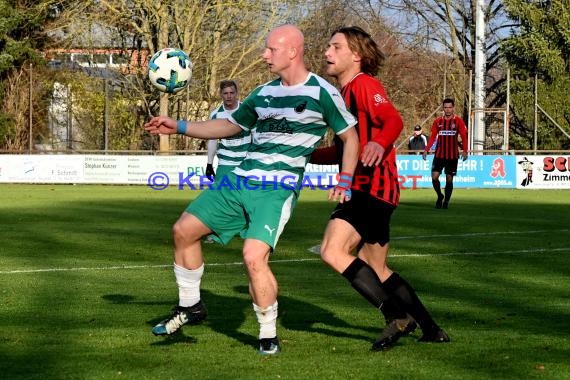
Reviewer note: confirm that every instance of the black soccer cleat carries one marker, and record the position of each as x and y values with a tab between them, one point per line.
180	316
438	336
269	346
439	201
393	331
445	205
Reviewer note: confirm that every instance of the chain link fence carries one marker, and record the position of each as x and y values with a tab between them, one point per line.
77	109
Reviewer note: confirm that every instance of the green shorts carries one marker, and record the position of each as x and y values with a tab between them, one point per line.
223	171
255	213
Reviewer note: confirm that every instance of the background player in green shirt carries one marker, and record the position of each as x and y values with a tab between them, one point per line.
231	150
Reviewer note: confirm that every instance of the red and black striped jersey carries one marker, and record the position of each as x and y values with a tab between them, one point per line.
378	121
447	132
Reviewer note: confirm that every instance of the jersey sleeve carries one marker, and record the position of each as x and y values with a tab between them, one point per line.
212	149
463	133
381	112
246	116
432	136
336	115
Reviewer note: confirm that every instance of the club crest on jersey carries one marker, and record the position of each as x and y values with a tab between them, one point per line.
379	99
301	107
452	126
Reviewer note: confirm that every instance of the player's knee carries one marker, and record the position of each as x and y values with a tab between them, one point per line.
329	252
178	232
254	260
182	231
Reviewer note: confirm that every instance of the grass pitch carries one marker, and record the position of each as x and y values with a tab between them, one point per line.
85	272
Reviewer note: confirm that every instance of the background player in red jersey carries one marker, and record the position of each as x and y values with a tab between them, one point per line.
363	222
446	129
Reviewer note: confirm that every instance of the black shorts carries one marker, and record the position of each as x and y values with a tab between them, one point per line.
369	216
438	164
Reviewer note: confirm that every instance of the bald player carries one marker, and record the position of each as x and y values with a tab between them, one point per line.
287	117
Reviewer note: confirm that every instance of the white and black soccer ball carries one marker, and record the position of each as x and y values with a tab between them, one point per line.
170	70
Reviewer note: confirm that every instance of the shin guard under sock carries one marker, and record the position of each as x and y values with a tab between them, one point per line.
366	282
437	187
448	191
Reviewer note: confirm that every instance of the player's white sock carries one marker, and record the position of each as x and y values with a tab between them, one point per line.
188	281
267	319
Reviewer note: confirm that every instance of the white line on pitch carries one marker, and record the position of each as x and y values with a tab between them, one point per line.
118	267
317	248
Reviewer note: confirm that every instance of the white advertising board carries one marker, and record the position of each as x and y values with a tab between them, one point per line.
104	169
543	172
532	172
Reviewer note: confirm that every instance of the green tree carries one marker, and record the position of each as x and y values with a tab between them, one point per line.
21	34
23	27
539	49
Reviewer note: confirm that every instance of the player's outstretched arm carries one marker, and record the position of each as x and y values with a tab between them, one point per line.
161	125
208	129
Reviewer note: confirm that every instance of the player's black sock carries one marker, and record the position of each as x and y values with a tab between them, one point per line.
437	187
448	190
366	282
410	301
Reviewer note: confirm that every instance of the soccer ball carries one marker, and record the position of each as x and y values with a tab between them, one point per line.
170	70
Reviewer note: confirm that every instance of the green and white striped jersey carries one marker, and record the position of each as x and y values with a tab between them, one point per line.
287	123
231	150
